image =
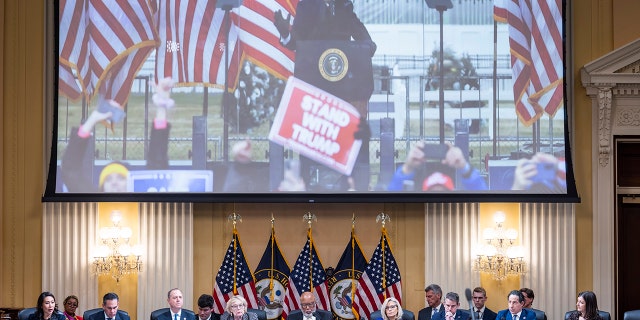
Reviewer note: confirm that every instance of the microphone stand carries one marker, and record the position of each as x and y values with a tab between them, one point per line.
467	293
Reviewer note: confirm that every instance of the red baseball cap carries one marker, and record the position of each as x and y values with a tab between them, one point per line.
437	179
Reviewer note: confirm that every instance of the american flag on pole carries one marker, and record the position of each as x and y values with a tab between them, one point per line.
381	280
234	278
272	276
535	40
102	46
192	40
260	39
307	275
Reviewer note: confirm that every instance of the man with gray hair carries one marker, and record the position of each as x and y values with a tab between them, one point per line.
433	295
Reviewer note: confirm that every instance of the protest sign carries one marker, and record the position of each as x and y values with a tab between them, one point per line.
318	125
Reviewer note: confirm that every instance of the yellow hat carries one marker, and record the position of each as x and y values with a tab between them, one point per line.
115	167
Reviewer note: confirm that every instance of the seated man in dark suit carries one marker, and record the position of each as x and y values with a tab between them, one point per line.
205	308
309	310
451	311
110	306
516	310
175	312
433	295
479	308
528	303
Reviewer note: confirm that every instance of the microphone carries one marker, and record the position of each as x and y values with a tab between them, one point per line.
467	293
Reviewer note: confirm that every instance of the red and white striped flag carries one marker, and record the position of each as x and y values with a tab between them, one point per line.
192	41
234	278
103	44
260	39
307	275
380	280
535	40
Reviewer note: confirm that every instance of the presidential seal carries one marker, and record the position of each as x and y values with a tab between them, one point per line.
333	64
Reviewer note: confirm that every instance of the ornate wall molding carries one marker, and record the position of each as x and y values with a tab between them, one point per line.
627	117
604	125
613	85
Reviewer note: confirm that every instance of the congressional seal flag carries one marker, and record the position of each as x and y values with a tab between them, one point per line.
234	278
342	285
272	278
318	125
381	280
307	275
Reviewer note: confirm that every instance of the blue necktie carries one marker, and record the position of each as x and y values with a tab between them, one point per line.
175	316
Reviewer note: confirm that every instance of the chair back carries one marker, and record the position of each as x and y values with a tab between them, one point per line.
262	315
25	313
406	315
92	312
632	315
603	314
540	315
156	313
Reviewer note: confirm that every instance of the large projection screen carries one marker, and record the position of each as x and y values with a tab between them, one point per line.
310	101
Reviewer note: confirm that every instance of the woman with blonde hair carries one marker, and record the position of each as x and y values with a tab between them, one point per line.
236	309
391	309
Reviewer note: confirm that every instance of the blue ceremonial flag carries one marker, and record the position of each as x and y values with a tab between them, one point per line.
343	283
307	275
234	278
272	278
381	280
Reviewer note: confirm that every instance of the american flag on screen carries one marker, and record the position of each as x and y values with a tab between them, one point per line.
193	40
535	40
102	45
380	280
234	278
307	275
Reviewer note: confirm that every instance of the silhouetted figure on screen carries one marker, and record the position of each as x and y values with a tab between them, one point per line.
331	20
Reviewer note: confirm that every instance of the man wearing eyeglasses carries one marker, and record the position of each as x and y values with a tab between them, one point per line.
308	309
481	312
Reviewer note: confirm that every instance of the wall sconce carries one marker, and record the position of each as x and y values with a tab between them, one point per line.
499	256
115	256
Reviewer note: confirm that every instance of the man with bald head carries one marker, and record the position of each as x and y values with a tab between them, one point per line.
308	309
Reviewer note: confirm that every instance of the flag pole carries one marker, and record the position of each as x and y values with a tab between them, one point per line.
353	253
235	218
273	235
383	218
309	218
